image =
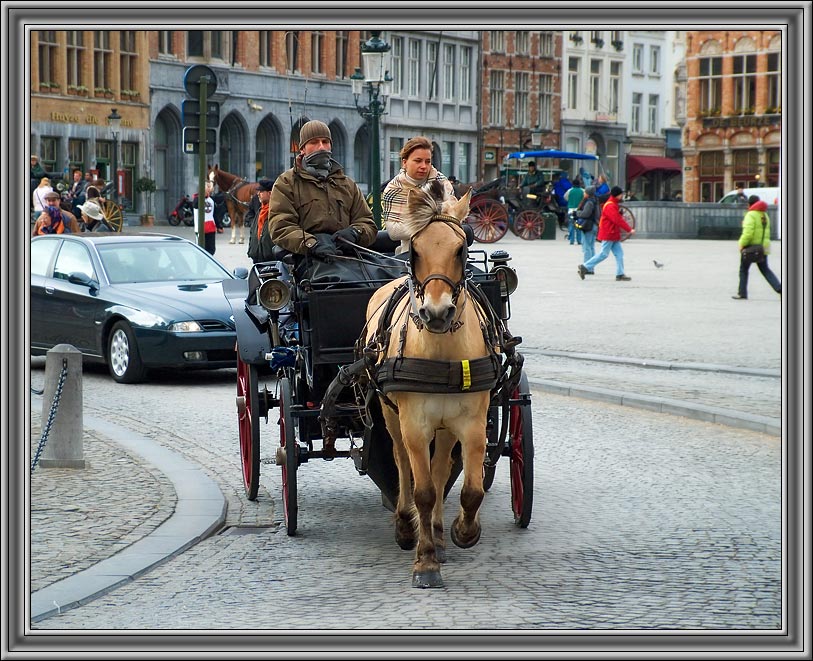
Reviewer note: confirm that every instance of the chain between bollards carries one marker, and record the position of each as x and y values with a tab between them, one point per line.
51	415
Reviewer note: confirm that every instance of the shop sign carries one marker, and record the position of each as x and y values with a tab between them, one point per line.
74	118
489	156
745	120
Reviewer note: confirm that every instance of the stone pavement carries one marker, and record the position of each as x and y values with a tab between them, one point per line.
671	340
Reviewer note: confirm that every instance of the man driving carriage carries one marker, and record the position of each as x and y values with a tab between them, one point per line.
314	204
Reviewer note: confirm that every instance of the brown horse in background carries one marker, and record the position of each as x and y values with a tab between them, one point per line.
238	193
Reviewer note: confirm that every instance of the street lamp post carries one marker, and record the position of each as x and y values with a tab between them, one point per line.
114	120
377	78
627	149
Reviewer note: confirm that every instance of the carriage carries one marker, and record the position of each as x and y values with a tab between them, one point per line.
501	204
298	348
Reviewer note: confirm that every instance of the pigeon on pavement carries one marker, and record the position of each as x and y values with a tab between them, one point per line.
657	264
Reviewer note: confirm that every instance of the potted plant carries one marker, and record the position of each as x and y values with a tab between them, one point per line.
146	185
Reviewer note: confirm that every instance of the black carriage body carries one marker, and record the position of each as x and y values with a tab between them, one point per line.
319	328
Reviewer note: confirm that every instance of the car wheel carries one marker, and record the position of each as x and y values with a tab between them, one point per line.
123	359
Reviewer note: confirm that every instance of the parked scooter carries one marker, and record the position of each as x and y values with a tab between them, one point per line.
184	211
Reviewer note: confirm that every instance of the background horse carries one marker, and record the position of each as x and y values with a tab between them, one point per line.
238	193
440	322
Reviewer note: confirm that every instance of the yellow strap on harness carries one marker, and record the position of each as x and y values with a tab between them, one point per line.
466	375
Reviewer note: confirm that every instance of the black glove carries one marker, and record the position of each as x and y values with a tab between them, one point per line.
349	234
324	249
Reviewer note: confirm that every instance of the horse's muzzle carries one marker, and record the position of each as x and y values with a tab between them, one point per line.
437	319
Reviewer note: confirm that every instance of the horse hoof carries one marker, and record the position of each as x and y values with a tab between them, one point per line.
427	579
462	542
231	241
241	241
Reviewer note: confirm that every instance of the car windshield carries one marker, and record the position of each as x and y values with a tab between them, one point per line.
158	261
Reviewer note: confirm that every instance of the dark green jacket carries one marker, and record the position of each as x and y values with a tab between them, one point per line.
302	205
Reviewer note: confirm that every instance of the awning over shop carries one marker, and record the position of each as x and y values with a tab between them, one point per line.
638	165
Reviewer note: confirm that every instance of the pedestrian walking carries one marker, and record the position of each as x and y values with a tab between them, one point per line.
755	245
588	215
609	233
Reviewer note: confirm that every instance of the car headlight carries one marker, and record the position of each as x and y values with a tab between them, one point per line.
185	327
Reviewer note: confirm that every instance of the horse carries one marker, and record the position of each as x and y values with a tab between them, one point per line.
238	194
441	322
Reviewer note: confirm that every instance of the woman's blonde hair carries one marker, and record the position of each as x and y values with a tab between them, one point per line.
419	142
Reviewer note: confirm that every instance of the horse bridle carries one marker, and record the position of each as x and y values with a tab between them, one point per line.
417	287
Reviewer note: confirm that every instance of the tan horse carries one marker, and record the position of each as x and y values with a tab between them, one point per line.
238	193
442	322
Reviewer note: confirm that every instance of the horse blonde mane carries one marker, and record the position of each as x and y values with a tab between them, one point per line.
423	204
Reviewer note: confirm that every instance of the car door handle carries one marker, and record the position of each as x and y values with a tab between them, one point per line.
49	290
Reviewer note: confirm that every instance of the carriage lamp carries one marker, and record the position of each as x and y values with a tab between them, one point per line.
377	79
506	276
273	294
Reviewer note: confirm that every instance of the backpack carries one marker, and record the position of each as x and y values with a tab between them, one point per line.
584	224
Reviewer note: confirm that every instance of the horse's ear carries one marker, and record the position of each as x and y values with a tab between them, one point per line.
460	209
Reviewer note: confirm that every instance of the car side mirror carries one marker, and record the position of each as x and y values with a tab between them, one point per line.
240	272
79	278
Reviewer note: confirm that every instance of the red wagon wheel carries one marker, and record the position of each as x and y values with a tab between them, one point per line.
630	218
288	447
489	220
248	420
529	224
521	447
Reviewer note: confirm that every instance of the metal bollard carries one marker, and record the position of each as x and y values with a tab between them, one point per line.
65	441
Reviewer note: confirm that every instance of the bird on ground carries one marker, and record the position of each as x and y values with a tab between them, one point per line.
657	264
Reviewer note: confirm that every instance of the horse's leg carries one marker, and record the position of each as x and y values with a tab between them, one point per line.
426	570
441	468
242	223
230	208
405	507
465	530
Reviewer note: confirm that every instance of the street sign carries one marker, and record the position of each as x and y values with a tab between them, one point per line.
192	140
190	112
191	80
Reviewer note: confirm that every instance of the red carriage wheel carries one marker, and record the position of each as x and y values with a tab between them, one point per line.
489	220
521	447
630	218
248	420
529	224
287	441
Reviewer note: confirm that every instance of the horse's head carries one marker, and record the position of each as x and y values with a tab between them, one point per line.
438	254
213	170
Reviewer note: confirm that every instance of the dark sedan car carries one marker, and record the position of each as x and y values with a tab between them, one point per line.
132	302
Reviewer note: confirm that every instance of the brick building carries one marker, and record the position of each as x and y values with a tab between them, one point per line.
77	78
733	116
520	94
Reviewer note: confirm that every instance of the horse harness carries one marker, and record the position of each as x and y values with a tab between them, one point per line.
236	185
498	372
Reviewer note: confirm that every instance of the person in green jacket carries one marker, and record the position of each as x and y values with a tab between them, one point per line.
315	208
756	230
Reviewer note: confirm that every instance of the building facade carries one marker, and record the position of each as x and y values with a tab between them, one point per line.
651	118
595	97
520	94
652	104
77	79
733	128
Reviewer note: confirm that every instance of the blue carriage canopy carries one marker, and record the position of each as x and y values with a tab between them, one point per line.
551	153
